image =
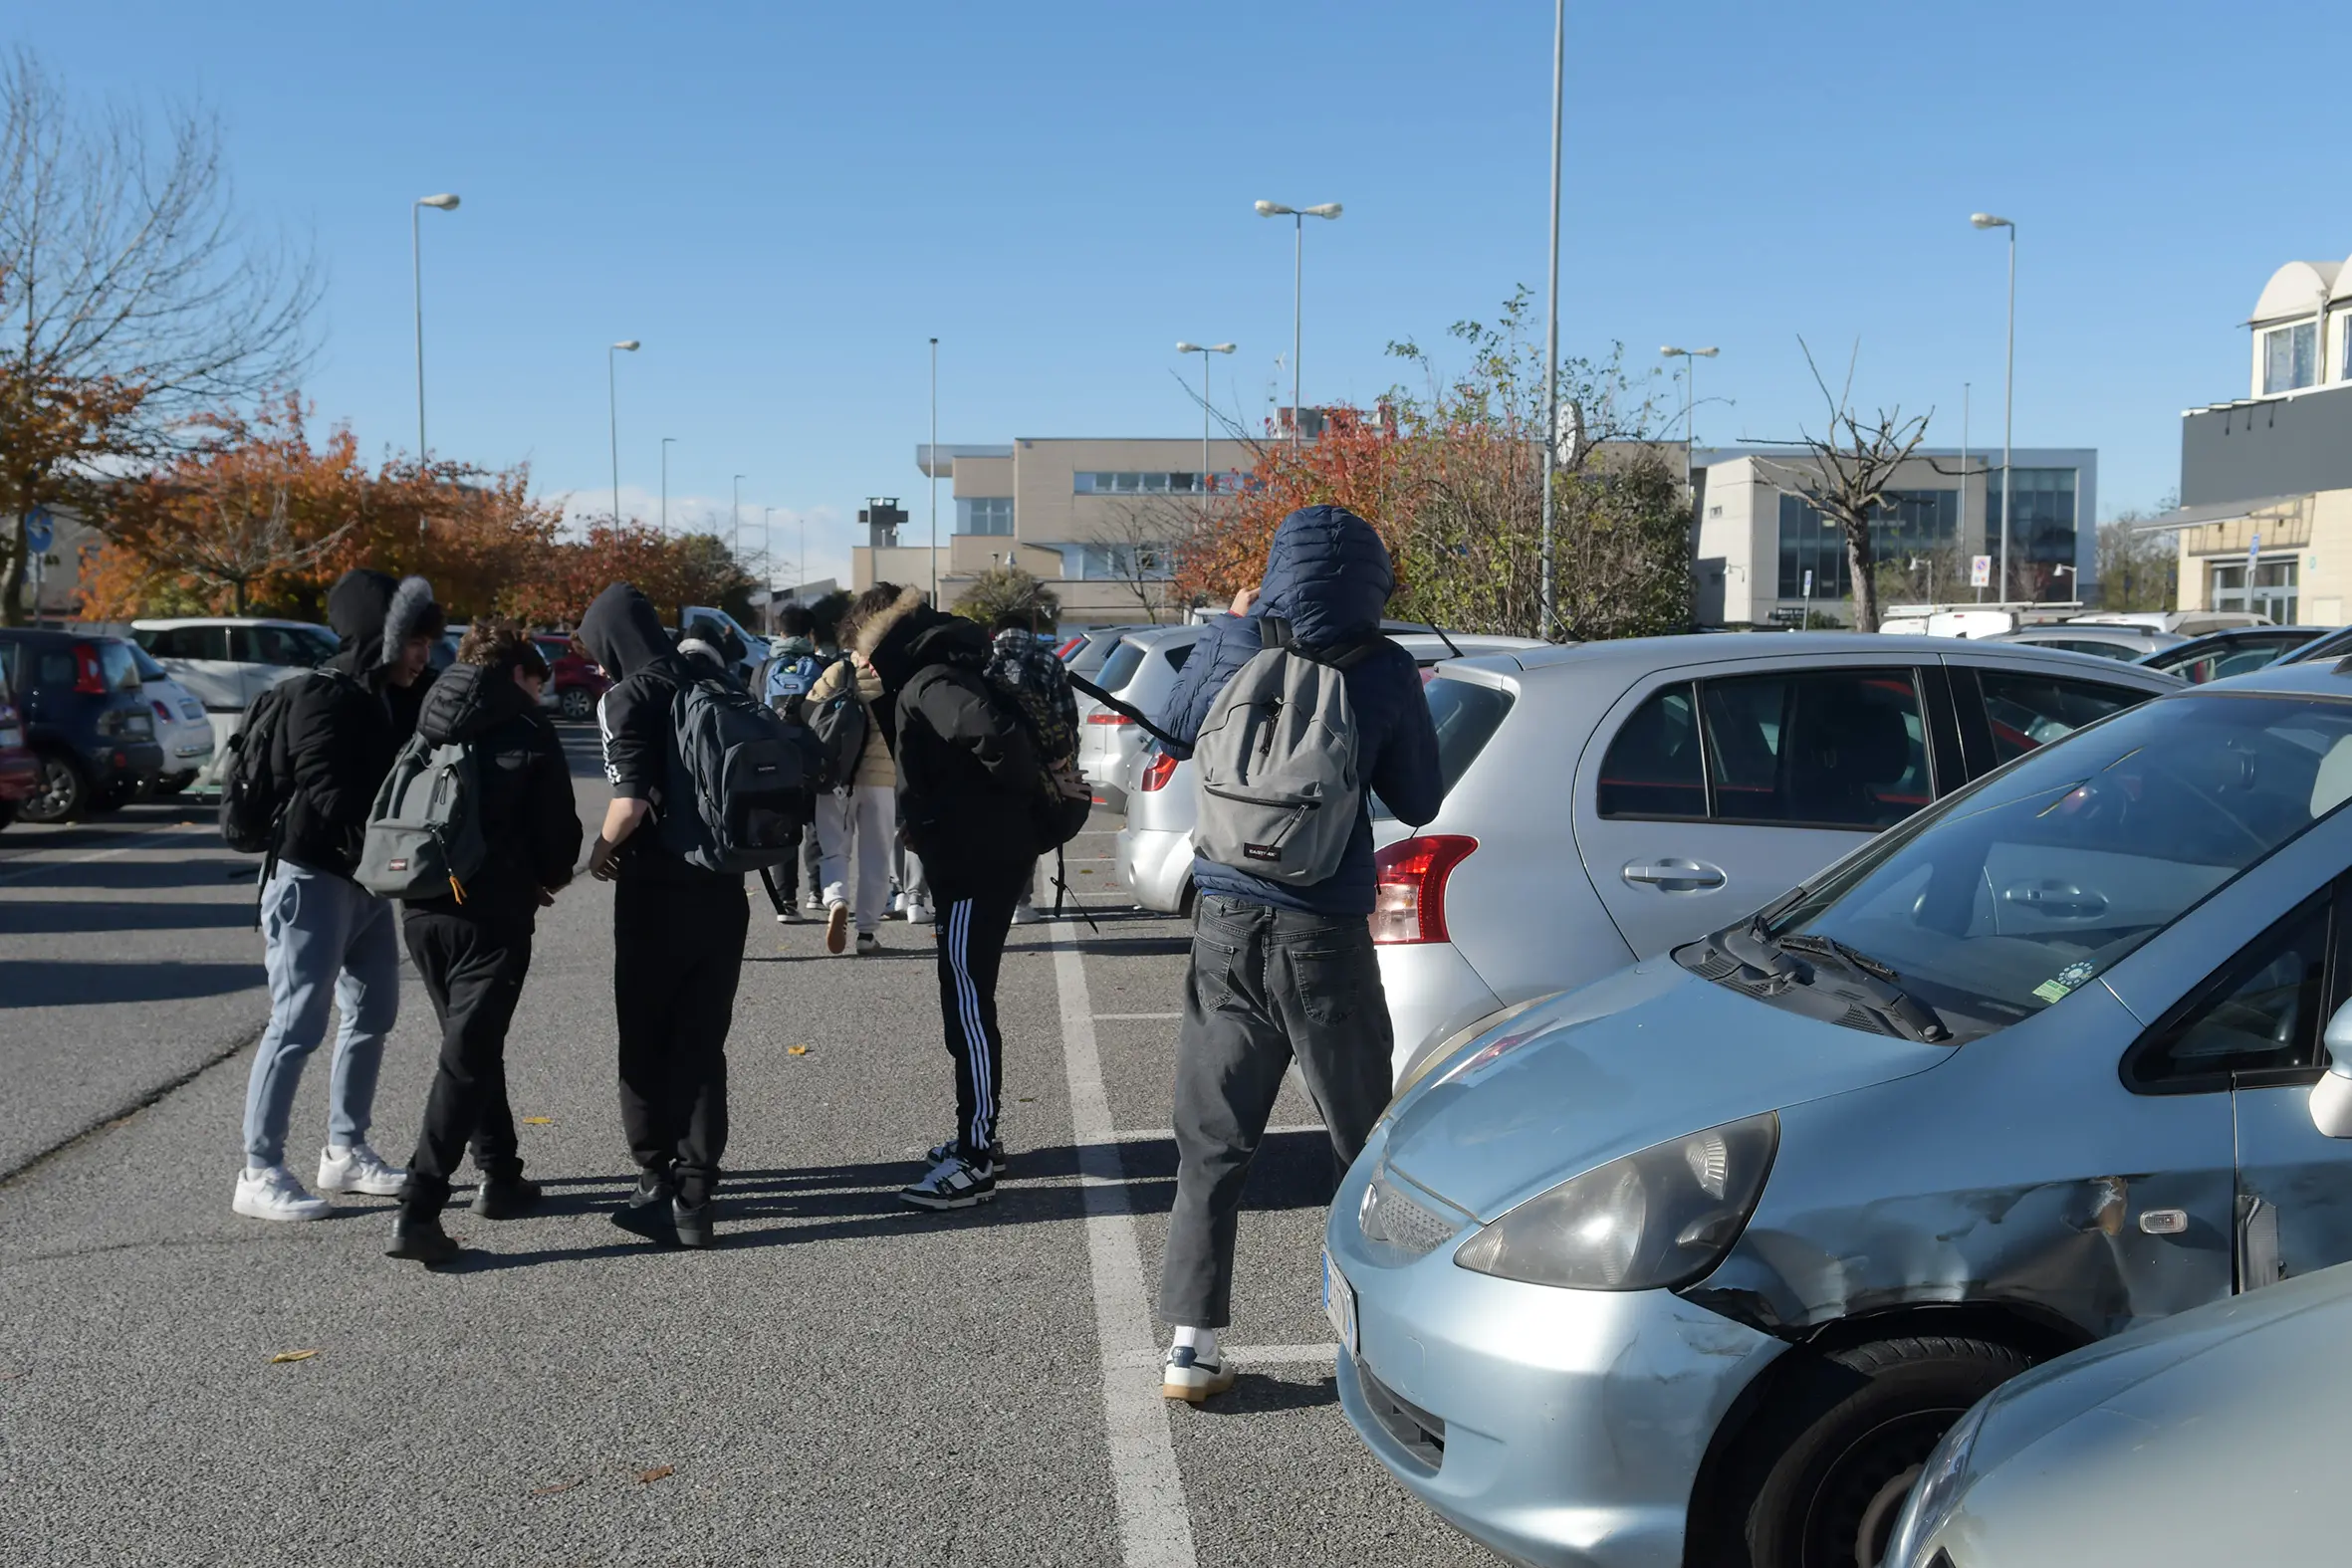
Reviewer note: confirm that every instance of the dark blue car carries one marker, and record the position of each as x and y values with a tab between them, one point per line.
85	719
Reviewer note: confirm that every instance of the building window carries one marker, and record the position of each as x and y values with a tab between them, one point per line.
2044	533
1115	563
2290	357
1152	483
2274	593
983	514
1913	522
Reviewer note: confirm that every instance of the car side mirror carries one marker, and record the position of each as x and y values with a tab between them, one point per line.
2331	1097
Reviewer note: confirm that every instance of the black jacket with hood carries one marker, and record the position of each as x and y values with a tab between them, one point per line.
623	634
341	727
529	817
968	781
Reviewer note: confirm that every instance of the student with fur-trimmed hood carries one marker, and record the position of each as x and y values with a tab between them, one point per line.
967	793
326	939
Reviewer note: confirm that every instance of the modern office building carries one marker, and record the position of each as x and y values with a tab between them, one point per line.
1093	518
1756	542
2266	514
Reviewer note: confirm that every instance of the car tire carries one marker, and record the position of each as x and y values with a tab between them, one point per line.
65	791
1838	1452
577	705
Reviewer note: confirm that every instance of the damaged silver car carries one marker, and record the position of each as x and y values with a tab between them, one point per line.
1697	1263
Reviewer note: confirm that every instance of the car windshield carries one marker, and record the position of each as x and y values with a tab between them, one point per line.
2014	892
1467	714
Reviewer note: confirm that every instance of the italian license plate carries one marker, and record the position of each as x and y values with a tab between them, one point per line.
1339	1303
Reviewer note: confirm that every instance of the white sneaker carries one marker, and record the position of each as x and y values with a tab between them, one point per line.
1185	1376
1025	913
357	1169
918	913
270	1192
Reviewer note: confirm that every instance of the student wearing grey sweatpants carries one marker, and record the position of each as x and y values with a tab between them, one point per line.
328	940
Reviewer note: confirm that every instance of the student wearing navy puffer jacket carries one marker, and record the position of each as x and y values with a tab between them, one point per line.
1277	970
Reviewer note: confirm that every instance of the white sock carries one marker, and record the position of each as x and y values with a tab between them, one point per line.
1203	1342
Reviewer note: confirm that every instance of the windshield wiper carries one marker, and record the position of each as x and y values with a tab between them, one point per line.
1876	981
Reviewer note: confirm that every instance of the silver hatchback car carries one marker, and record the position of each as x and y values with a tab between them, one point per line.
1608	801
1140	672
1698	1262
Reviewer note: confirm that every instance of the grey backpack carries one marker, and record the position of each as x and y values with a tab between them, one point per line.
1276	761
425	836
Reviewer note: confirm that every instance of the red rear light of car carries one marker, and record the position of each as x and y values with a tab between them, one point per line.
90	677
1105	715
1157	772
1409	886
162	714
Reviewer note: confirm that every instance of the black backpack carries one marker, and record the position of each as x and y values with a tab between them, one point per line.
256	785
743	781
839	726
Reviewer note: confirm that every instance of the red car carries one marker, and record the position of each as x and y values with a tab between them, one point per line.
574	682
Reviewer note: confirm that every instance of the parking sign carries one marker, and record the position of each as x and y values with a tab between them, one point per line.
1980	570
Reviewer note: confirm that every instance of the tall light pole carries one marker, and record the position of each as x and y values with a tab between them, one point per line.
1967	390
666	443
612	414
735	522
446	203
1559	56
2009	396
1204	351
1297	217
1689	399
933	466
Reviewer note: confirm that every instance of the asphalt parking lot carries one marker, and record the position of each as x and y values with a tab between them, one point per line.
843	1381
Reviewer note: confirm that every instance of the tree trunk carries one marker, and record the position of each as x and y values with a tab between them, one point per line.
12	592
1860	569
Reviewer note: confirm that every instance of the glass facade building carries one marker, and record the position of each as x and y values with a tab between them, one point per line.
1913	522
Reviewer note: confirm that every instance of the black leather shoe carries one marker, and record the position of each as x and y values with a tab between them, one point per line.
421	1242
647	1210
692	1222
506	1196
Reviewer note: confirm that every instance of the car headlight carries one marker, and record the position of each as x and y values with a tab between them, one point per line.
1942	1481
1652	1220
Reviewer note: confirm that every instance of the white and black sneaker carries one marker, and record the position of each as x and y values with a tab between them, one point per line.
1187	1377
954	1183
948	1150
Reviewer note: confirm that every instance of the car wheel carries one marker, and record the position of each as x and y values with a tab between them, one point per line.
1843	1446
64	794
577	705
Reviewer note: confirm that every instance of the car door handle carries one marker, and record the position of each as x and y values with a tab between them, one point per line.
1674	874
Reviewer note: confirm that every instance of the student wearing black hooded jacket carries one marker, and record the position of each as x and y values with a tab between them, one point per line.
326	939
677	932
968	793
473	953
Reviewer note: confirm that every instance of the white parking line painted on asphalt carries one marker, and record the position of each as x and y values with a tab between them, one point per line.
1256	1356
70	860
1155	1531
1132	1017
1163	1134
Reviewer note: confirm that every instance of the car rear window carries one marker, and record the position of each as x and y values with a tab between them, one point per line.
1467	714
148	669
1119	668
119	664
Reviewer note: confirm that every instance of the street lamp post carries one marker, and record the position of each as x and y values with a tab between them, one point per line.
933	467
666	443
2009	396
446	203
735	522
1559	57
1690	399
1204	351
1297	217
613	414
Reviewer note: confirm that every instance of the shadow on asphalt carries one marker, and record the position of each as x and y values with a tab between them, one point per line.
134	876
1255	1393
49	916
65	983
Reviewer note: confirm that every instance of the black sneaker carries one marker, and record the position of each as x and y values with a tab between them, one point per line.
952	1184
692	1222
506	1196
647	1212
421	1242
996	1153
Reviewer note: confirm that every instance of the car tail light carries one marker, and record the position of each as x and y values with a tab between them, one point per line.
1157	772
90	677
1409	886
1105	715
162	713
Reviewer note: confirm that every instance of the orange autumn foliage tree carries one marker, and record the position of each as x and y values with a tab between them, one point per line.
1358	463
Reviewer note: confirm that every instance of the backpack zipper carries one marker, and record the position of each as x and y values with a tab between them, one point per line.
1302	803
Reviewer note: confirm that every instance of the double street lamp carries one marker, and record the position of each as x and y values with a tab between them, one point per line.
1204	351
1690	395
613	414
445	202
2009	392
1297	217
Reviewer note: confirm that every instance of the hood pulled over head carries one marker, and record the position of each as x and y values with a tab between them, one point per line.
469	699
622	633
373	615
1328	575
908	635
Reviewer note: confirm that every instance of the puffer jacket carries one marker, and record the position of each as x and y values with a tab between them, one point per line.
623	634
1328	575
529	817
342	729
874	767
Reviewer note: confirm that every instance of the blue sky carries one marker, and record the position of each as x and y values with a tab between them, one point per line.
784	201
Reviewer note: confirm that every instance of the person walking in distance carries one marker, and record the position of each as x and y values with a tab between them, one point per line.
791	672
474	952
967	797
1282	963
858	826
677	932
325	938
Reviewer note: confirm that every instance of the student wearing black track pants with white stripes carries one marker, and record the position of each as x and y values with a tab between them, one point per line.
966	792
